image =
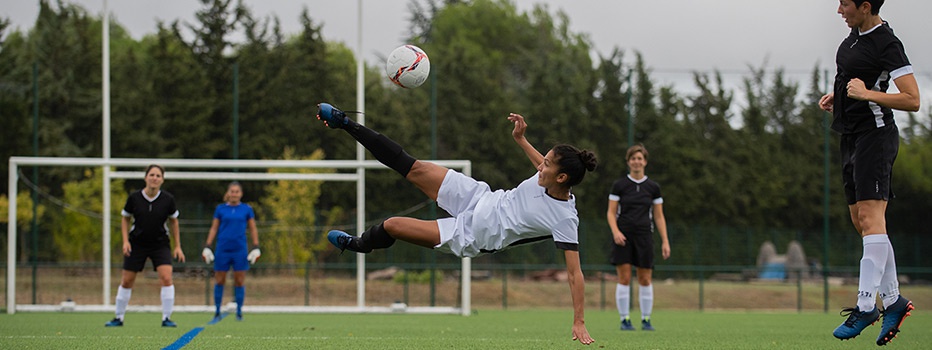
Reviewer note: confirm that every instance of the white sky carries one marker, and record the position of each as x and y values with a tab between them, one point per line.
674	36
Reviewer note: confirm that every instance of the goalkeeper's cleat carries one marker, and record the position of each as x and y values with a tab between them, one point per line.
168	323
645	324
341	240
115	322
626	324
856	322
893	317
331	116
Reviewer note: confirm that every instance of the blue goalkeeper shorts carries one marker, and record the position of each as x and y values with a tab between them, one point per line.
224	259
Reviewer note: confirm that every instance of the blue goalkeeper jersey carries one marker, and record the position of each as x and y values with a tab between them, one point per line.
231	235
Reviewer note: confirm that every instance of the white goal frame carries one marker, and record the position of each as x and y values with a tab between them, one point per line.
107	163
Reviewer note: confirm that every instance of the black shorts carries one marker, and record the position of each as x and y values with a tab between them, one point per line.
160	253
867	163
638	251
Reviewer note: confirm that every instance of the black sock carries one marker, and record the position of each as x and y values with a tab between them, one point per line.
375	238
384	149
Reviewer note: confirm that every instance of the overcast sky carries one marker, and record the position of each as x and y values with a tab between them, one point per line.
674	36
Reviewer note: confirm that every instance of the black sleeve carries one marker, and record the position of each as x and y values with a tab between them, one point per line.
567	246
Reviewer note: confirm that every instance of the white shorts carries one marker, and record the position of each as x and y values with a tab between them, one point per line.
458	196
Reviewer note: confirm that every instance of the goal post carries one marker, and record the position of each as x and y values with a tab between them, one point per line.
358	176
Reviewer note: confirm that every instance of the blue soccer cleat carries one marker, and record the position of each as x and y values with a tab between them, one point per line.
330	115
645	325
168	323
115	322
239	317
340	240
856	322
626	324
893	317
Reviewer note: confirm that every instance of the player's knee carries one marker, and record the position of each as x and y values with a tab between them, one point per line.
392	224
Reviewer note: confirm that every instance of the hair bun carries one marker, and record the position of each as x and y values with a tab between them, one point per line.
589	160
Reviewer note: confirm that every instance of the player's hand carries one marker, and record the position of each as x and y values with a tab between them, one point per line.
254	255
665	250
827	102
127	248
620	239
856	89
208	255
179	255
520	125
580	333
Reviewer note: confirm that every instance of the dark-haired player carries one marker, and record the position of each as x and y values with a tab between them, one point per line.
540	208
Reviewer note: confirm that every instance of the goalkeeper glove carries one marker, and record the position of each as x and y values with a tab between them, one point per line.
208	255
254	255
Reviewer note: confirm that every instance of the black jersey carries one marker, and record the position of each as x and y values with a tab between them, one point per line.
149	216
635	200
876	57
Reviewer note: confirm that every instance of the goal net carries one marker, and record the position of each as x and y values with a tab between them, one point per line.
266	292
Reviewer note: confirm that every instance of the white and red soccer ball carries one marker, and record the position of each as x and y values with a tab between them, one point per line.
407	66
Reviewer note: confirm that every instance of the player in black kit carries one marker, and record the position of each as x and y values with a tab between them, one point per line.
145	236
867	61
634	206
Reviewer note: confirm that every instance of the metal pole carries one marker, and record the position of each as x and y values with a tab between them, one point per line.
433	155
825	202
235	110
11	242
35	179
360	155
105	244
630	110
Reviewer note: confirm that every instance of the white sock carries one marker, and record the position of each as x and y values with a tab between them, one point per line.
168	301
122	300
873	261
646	298
623	299
889	284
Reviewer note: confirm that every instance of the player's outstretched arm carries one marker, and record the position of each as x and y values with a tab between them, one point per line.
518	133
577	290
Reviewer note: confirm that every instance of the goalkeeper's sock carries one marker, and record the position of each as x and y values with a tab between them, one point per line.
218	297
375	238
122	300
239	293
384	149
168	301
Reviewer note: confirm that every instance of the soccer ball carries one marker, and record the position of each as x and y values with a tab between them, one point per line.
407	66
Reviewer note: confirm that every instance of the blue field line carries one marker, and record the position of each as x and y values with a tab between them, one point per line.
187	337
217	319
184	340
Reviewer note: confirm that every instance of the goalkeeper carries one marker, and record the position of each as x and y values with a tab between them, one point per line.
231	221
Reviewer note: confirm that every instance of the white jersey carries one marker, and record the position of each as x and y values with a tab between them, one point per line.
486	222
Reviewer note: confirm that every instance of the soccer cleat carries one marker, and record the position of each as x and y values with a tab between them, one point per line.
856	322
115	322
168	323
645	324
893	317
330	115
340	240
626	325
239	317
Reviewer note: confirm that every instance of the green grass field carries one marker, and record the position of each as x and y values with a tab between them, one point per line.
513	329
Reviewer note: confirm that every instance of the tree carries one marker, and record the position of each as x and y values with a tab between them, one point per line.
78	234
294	238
